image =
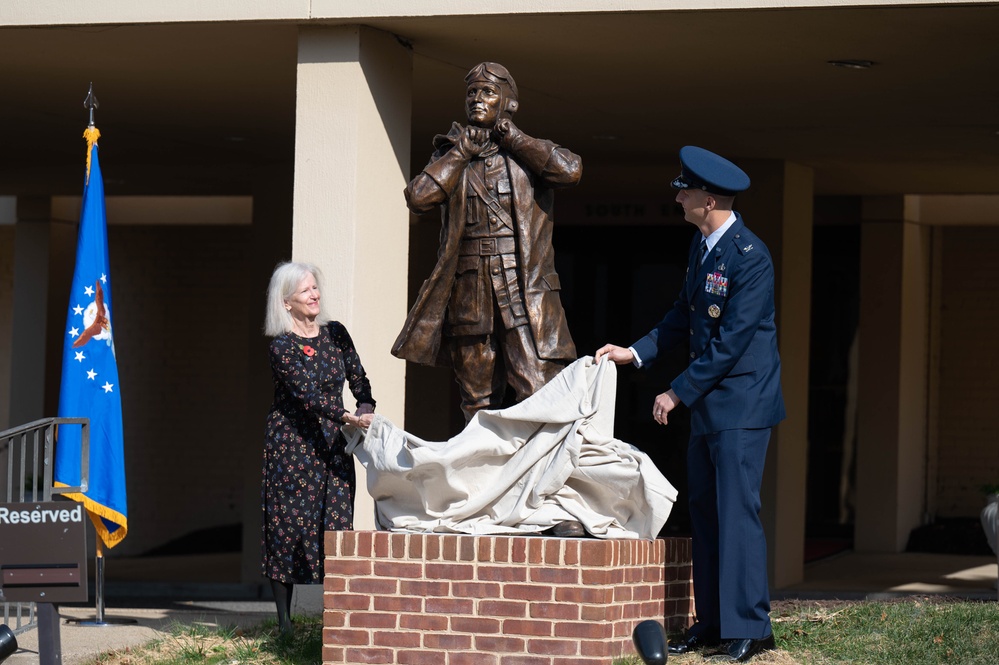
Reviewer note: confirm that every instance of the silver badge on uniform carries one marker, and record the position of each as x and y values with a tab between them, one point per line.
714	311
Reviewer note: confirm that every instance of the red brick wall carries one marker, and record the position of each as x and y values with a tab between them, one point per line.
421	599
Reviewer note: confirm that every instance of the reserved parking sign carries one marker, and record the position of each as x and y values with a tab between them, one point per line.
43	550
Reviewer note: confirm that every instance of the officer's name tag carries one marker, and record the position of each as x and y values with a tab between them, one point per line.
716	284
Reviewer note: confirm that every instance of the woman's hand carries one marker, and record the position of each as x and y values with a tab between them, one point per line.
363	421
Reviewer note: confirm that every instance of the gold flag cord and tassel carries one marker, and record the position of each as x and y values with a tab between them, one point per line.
91	133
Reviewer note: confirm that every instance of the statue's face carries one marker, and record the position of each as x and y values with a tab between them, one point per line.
483	103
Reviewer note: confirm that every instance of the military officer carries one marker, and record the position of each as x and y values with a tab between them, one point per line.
725	311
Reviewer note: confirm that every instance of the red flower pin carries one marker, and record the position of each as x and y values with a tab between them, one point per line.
308	350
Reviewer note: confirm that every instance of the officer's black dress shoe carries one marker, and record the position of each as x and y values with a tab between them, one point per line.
742	650
692	643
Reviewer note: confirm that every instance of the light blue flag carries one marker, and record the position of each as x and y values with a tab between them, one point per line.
90	386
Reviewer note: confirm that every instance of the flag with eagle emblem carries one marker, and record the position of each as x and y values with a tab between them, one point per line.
90	386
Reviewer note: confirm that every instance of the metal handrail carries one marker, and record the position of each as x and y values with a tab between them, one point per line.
36	442
46	428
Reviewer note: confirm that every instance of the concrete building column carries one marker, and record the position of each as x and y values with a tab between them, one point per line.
8	222
352	150
778	208
892	397
44	255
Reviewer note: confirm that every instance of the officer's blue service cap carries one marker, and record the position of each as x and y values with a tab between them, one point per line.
703	169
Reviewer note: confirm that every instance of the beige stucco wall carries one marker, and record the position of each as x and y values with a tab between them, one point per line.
70	12
351	164
778	208
892	411
790	456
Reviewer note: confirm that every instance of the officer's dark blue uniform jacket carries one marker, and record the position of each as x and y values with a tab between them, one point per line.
733	379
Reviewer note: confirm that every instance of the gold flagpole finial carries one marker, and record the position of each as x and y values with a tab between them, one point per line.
91	133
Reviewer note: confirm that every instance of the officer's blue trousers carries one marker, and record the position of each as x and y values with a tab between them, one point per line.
731	592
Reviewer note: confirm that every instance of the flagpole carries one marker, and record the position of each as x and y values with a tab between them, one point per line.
98	592
91	134
99	583
100	620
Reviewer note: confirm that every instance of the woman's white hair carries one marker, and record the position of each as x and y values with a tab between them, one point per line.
284	281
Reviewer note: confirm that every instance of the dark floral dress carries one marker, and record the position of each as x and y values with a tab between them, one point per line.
308	485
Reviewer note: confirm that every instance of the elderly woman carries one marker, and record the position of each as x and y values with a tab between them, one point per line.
308	483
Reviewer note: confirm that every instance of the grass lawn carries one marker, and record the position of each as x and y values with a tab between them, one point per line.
911	631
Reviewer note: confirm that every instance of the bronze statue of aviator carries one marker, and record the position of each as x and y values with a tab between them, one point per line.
491	306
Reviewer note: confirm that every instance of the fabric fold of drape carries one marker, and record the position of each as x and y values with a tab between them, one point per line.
523	469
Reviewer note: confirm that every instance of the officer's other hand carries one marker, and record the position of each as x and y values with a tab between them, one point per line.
617	354
665	402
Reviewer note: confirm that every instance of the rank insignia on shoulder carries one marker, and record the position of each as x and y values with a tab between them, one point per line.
747	247
714	311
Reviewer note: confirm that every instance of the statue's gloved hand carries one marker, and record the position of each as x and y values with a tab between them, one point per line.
508	134
472	142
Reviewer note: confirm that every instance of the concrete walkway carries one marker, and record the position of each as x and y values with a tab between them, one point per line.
853	575
190	590
82	643
158	608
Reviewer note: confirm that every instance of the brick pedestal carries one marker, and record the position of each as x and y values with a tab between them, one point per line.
428	599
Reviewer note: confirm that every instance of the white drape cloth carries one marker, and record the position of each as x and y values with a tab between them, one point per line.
549	459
